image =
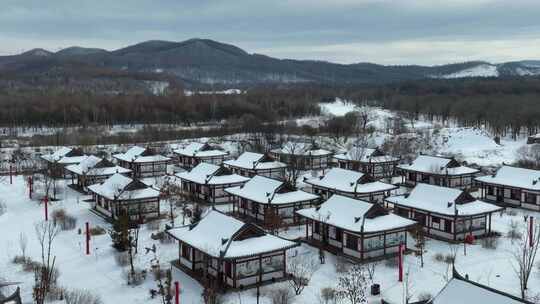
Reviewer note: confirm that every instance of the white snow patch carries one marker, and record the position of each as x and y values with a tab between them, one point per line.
339	107
482	70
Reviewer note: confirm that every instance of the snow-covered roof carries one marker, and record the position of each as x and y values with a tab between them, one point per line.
300	148
366	155
460	290
61	156
196	149
216	234
254	161
443	200
514	177
205	173
349	181
437	165
89	166
120	187
349	214
140	155
266	190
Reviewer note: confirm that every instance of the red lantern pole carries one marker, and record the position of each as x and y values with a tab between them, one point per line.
531	231
176	292
400	261
87	238
46	203
30	187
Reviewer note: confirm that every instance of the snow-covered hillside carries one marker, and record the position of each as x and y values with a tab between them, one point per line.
482	70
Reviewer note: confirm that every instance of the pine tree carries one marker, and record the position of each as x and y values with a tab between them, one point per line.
120	233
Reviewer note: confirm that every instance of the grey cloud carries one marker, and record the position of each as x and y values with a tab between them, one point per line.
313	29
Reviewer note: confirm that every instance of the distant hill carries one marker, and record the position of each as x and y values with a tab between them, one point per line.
204	62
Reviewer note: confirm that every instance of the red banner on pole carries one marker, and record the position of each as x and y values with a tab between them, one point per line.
400	261
87	238
176	292
531	231
46	203
30	187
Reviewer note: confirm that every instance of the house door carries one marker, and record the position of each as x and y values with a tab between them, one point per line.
500	194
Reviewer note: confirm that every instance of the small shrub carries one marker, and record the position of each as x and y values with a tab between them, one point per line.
439	257
341	265
135	278
31	266
121	258
58	215
81	296
281	295
424	297
69	223
66	221
490	242
55	294
19	259
327	295
98	230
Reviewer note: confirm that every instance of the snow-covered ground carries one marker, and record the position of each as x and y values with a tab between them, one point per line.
100	273
477	146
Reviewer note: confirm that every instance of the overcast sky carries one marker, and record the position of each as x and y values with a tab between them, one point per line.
345	31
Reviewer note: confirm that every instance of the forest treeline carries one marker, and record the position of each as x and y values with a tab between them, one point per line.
64	109
505	105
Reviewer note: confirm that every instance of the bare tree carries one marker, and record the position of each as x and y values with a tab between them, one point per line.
524	255
370	269
408	287
82	296
46	233
352	285
301	268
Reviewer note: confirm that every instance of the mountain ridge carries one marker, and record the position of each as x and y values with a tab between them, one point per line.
206	62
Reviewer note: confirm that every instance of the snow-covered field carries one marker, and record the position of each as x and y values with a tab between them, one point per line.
100	273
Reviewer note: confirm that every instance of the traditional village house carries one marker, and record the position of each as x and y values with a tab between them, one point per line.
350	183
370	161
236	254
303	156
196	153
207	182
121	195
93	170
57	161
517	187
355	228
144	162
445	213
437	170
270	202
251	164
461	289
